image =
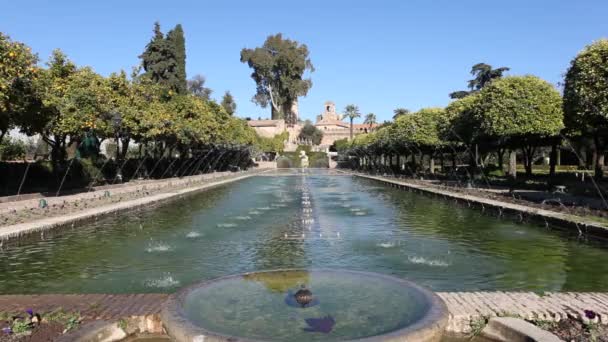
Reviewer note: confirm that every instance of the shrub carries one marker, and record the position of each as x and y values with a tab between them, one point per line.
284	162
12	149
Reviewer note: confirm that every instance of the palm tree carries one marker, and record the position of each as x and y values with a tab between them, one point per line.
370	119
400	111
352	112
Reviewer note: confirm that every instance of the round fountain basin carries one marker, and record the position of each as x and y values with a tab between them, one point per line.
345	305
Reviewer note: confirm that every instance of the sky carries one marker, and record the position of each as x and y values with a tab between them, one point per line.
379	55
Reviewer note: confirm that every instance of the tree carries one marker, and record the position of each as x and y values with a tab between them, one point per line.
586	97
351	112
463	127
483	75
370	119
52	87
17	70
420	130
228	103
422	127
311	133
196	87
278	70
160	62
399	112
176	40
459	94
521	111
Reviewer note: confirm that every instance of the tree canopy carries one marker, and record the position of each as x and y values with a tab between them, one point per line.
164	59
522	105
311	133
17	71
228	103
586	88
278	67
483	74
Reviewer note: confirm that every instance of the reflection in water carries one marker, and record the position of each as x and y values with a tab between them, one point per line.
235	228
339	306
279	281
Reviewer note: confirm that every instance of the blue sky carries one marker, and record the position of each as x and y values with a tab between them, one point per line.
377	54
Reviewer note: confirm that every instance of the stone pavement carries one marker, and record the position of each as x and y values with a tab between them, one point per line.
463	307
130	187
188	186
584	225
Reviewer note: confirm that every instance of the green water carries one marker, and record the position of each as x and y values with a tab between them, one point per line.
351	305
358	224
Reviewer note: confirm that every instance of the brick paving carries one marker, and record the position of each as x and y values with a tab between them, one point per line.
463	307
90	306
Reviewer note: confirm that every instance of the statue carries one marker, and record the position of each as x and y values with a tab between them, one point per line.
303	159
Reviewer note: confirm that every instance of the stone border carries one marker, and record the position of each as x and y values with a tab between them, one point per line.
463	308
16	231
429	328
581	225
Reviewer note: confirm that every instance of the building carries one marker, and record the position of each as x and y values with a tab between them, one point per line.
329	122
334	128
267	128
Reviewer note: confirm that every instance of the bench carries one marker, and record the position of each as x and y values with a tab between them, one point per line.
560	189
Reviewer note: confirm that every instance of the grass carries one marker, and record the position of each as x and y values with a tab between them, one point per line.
69	320
477	325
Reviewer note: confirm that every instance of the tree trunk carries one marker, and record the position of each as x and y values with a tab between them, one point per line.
454	165
432	165
351	129
513	164
598	157
399	163
117	148
552	161
499	155
125	147
558	160
527	152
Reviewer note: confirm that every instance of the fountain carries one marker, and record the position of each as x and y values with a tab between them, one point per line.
303	159
298	305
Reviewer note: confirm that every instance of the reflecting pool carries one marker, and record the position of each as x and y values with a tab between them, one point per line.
302	221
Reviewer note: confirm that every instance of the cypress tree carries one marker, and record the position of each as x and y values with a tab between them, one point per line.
176	40
159	60
228	103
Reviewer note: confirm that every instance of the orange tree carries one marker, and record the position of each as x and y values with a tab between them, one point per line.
17	69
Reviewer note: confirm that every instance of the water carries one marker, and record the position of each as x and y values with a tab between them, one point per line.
345	306
347	222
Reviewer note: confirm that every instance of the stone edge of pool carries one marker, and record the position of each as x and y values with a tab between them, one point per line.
16	231
464	308
572	222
